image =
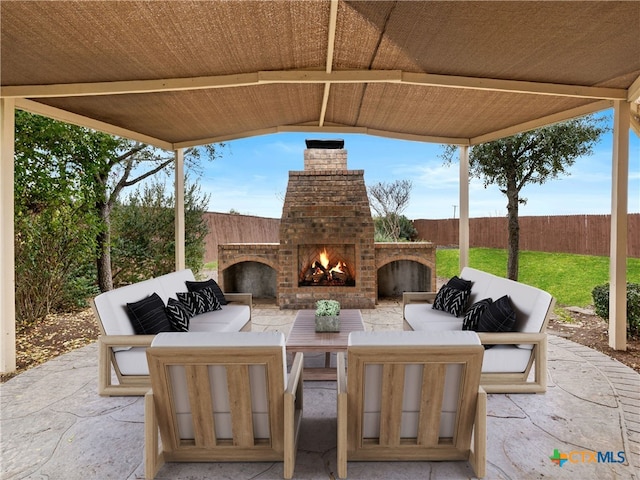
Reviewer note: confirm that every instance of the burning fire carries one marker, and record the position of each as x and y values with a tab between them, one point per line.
326	269
324	261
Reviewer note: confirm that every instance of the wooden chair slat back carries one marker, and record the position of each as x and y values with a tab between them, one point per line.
247	370
434	372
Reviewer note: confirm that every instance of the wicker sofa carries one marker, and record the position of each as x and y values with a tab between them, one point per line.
507	365
123	352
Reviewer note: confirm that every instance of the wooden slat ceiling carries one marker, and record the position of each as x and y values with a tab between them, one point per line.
182	73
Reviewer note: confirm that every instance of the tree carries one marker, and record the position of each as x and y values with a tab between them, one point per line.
529	158
100	164
389	200
144	232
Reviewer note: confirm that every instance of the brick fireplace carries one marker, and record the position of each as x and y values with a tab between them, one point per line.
326	211
327	248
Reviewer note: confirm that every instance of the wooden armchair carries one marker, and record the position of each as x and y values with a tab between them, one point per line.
222	397
412	396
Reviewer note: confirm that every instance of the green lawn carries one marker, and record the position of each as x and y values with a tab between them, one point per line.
569	278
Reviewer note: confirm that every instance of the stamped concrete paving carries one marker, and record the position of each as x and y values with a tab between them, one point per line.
53	425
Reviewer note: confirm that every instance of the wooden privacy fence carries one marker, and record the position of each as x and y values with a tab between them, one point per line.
231	228
579	234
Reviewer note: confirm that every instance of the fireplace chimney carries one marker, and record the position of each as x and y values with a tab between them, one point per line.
323	155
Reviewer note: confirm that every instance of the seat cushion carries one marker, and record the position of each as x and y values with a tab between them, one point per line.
420	316
505	359
230	318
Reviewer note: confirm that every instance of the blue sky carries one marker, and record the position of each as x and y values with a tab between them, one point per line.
251	177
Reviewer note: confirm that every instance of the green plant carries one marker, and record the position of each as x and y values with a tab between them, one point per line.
327	308
600	295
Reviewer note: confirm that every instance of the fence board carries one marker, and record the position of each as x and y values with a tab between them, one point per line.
231	228
579	234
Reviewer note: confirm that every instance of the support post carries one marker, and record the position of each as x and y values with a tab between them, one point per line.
463	221
619	232
179	212
7	246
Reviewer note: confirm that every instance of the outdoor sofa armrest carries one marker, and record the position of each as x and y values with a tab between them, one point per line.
115	341
243	298
510	338
418	297
106	344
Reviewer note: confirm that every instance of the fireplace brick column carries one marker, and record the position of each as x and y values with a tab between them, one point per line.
326	204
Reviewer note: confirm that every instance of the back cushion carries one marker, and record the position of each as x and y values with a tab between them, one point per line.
112	305
218	379
413	380
174	282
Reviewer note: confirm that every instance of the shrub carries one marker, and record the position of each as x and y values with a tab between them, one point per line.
600	295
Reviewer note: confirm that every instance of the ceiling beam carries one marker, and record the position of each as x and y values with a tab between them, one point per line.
314	76
327	128
129	86
82	121
542	122
514	86
331	42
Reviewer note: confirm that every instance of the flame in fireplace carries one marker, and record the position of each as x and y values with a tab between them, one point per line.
326	269
324	258
324	261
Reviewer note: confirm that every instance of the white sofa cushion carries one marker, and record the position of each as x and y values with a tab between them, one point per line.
413	379
230	318
222	415
420	316
505	359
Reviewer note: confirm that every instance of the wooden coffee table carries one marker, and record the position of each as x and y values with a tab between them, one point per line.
303	338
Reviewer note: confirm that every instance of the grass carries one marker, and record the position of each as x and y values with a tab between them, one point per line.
211	265
569	278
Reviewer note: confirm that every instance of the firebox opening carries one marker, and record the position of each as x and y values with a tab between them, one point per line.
326	266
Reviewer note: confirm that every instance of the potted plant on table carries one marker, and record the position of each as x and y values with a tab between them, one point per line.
327	316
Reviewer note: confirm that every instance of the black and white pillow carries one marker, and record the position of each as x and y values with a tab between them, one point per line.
498	317
450	300
148	316
459	283
178	315
473	314
200	301
211	283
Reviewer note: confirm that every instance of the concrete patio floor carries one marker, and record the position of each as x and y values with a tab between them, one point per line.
54	425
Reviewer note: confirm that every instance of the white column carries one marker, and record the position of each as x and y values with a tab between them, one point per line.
7	249
463	221
618	256
180	222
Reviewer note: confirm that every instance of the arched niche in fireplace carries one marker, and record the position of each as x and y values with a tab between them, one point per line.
400	276
256	278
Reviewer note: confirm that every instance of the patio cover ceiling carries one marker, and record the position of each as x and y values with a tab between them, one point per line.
183	73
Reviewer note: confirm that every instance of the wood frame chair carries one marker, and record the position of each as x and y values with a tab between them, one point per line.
466	439
194	376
